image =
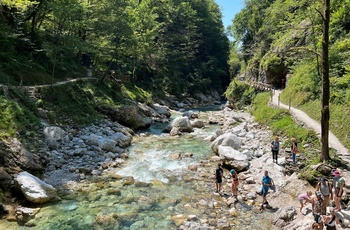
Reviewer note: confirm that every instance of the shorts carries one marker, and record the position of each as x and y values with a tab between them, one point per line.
337	192
218	180
264	191
301	200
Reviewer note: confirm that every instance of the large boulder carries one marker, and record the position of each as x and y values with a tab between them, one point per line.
197	123
15	158
237	165
133	117
229	153
183	124
227	139
34	189
54	136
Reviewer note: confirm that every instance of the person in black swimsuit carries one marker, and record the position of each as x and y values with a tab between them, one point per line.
219	173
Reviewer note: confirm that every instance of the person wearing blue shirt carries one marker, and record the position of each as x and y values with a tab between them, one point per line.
267	182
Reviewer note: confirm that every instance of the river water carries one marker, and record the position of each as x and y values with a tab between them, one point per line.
152	191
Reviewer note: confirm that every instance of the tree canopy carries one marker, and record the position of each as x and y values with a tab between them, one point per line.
179	46
280	37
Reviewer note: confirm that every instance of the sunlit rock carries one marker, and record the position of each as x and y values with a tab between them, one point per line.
179	219
34	189
175	156
24	214
227	139
182	123
228	153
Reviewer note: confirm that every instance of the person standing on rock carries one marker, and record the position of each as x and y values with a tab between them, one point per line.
267	182
235	182
275	146
326	190
317	208
219	173
294	149
338	190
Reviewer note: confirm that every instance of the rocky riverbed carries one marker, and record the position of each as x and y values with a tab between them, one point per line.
85	168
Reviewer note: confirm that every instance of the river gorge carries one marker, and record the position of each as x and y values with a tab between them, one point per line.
167	182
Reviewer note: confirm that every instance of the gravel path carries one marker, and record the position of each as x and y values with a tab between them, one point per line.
312	124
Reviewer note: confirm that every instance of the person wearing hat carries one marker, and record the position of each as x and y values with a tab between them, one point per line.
326	190
317	208
338	189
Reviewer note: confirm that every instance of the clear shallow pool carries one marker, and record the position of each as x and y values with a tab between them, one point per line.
151	191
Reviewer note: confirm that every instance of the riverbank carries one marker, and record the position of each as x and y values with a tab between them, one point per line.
180	195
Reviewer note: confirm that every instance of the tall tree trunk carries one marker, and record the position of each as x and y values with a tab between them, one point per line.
325	84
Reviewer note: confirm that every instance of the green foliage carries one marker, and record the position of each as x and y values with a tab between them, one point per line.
136	94
280	120
76	104
339	118
240	94
15	117
176	46
339	57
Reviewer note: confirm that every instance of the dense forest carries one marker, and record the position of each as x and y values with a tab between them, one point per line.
282	39
279	37
175	45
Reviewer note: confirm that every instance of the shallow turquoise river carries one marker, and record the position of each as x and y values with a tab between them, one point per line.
162	189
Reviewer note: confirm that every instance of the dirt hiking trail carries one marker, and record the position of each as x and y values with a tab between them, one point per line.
302	117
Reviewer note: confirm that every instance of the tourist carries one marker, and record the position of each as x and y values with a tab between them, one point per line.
338	189
275	145
330	220
304	199
267	182
294	149
235	182
326	190
317	208
219	173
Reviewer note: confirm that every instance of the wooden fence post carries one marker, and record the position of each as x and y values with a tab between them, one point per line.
290	102
279	100
271	95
